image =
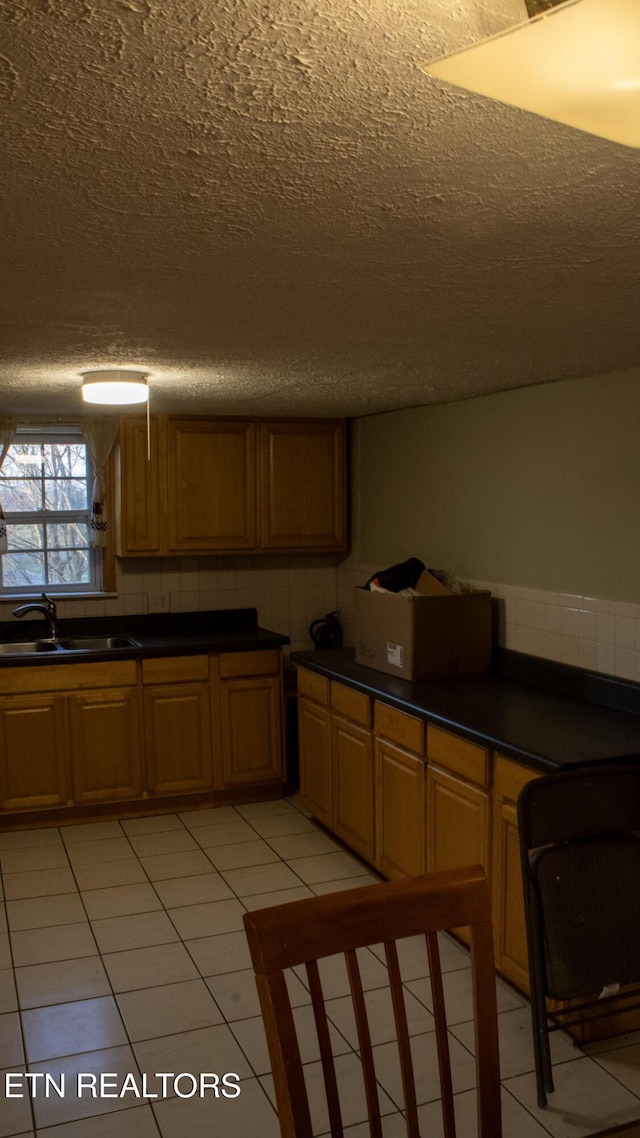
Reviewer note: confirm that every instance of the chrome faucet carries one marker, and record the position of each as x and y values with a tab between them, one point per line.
47	608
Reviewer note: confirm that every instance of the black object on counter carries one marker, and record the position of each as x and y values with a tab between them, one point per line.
405	575
326	632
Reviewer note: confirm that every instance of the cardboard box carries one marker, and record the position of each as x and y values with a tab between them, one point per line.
417	638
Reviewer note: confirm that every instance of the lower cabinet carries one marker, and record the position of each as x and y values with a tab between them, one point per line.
400	806
459	803
105	745
34	744
177	724
314	738
509	928
400	792
352	774
250	707
74	735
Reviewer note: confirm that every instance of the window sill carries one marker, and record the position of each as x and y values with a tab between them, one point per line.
9	598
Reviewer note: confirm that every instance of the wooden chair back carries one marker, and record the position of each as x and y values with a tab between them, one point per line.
305	932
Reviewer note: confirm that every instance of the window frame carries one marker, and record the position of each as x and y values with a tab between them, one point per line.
42	434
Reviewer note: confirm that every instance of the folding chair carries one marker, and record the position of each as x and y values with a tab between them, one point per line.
580	857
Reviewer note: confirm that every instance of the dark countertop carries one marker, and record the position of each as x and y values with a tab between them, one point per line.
529	722
161	634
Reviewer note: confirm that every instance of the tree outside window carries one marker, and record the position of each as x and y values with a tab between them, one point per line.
44	488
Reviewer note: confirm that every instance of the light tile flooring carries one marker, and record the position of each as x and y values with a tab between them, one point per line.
122	950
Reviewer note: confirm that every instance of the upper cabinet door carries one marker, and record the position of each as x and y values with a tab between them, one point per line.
138	497
211	485
303	493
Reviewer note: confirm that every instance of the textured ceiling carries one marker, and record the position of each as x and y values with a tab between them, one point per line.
271	208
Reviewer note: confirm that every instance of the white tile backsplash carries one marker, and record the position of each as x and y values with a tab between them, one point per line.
289	591
600	635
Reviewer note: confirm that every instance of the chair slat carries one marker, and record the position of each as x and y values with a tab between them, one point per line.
442	1037
485	1014
364	1039
404	1042
286	1065
326	1053
304	932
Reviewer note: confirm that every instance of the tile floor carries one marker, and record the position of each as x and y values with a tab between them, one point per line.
122	950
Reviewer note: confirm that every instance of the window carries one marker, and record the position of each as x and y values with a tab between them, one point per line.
45	486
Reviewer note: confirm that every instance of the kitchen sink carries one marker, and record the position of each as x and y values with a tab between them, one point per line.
27	647
96	643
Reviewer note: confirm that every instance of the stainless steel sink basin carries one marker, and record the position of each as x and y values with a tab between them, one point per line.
96	643
27	647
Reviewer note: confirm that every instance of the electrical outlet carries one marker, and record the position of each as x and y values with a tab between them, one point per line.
157	602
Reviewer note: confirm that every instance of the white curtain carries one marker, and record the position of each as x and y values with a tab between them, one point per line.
7	433
100	435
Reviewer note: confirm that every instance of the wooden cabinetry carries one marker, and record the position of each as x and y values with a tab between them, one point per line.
34	752
216	485
314	738
249	704
302	487
177	721
459	813
509	929
368	788
77	735
106	753
458	803
139	517
211	475
352	769
400	792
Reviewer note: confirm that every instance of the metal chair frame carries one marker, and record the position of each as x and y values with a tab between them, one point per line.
585	816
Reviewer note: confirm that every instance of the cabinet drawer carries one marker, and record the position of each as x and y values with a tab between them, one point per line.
458	755
399	727
352	704
509	777
174	669
68	677
265	663
312	685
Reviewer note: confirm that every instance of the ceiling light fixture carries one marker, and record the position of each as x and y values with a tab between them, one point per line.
115	388
576	62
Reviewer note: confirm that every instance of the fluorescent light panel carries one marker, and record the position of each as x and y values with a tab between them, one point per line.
577	64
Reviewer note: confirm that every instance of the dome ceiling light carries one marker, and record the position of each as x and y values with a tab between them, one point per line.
576	62
116	388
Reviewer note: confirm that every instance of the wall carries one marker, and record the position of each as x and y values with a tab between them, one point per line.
533	493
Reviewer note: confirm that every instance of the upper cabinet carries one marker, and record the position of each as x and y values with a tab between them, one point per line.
138	517
211	475
222	485
303	499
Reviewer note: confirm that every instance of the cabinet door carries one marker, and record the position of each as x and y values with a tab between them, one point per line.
458	825
178	737
353	781
314	740
509	928
303	495
34	744
458	822
211	502
106	756
251	729
400	779
139	492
